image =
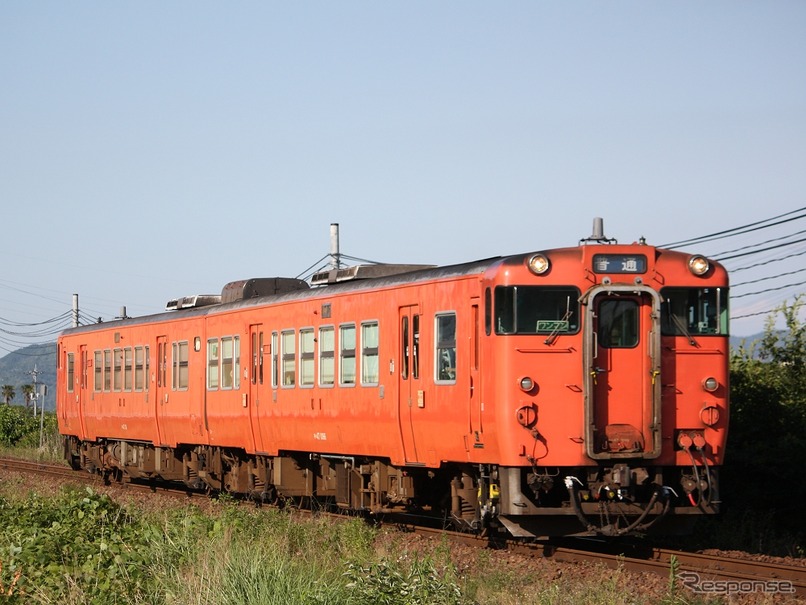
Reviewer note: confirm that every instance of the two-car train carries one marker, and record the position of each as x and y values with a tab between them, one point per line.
572	391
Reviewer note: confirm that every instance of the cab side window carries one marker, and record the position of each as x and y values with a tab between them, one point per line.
445	348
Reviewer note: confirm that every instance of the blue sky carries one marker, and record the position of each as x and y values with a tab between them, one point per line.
157	149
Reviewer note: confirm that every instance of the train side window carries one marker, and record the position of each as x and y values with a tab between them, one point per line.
146	362
71	372
445	353
327	356
306	357
369	353
98	383
180	371
139	368
213	354
347	355
127	369
230	362
107	370
415	352
289	358
117	376
488	311
404	354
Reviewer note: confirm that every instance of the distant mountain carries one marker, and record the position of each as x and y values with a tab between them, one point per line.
736	341
16	369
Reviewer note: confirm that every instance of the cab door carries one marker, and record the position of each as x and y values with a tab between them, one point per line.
410	387
622	346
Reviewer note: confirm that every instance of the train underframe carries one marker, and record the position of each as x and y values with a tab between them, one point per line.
610	500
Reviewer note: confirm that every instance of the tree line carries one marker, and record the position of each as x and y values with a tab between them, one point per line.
8	392
762	481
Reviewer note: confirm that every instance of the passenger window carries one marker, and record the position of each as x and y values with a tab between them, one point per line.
127	369
180	370
306	357
230	362
369	353
327	356
347	355
139	368
108	370
99	369
212	364
117	381
289	358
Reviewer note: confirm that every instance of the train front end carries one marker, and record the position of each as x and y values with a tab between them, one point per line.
611	390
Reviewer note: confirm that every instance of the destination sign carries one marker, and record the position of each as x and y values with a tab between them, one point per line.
619	263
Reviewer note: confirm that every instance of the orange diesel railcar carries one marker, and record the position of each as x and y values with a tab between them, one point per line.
572	391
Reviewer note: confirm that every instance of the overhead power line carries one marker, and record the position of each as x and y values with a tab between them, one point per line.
724	258
767	278
750	227
768	262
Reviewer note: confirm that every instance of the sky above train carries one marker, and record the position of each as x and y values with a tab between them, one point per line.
155	150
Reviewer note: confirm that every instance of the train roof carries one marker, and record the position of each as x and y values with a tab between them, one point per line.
271	290
261	291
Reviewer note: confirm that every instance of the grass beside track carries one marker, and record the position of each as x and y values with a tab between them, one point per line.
79	546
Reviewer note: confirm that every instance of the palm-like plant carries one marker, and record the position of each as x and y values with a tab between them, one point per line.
8	393
28	393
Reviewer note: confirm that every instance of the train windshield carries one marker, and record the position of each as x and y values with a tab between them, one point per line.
536	310
694	311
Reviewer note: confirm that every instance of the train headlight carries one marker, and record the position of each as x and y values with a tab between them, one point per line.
710	384
698	265
526	384
539	264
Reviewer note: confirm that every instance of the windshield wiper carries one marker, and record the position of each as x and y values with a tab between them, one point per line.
682	327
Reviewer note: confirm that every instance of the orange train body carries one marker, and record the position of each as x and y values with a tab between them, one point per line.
574	391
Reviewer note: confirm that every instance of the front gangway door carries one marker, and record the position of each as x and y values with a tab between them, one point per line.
622	372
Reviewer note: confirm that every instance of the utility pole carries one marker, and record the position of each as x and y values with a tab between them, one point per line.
75	310
35	394
43	390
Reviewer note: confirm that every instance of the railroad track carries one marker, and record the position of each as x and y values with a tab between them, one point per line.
36	468
700	573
